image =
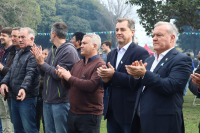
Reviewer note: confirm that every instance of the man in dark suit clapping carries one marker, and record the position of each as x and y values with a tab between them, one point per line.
121	98
161	82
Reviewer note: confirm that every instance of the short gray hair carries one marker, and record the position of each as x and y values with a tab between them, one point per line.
170	27
31	32
95	39
131	23
60	28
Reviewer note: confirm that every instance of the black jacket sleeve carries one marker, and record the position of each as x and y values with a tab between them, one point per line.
194	88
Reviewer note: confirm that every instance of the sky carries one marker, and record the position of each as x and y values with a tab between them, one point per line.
139	30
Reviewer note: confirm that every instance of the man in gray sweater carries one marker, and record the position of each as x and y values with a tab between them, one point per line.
55	97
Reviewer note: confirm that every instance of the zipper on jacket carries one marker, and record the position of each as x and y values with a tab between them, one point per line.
54	55
58	91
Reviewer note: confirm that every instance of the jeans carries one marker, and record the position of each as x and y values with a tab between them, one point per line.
1	131
23	115
55	117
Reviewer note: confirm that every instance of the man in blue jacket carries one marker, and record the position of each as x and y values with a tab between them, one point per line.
55	96
158	107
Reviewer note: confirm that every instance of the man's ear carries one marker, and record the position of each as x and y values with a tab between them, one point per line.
173	38
95	46
79	42
133	32
32	38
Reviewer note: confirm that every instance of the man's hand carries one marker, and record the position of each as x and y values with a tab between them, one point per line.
4	87
63	73
196	79
1	66
21	95
106	73
37	52
137	69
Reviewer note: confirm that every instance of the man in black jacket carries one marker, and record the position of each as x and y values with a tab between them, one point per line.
14	49
23	82
194	84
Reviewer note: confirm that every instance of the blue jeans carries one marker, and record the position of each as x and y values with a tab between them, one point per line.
55	117
23	115
1	131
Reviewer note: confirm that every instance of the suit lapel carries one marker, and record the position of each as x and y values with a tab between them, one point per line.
165	59
126	55
149	62
113	58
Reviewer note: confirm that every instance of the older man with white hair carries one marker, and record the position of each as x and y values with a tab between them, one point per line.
160	83
85	91
22	83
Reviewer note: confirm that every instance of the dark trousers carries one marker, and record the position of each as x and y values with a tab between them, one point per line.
39	113
115	127
81	123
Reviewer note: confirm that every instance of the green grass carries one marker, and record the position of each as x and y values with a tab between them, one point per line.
191	115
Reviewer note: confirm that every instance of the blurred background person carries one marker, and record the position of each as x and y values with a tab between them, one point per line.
106	48
76	40
186	87
39	106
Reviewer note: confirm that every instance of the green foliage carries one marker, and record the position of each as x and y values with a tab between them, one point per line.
189	42
186	12
20	13
79	15
78	24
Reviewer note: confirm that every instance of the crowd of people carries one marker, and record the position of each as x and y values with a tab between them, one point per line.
70	86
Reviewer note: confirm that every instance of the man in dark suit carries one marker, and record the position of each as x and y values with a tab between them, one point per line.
121	98
161	81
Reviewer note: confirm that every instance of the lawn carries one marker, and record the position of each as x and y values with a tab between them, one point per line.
191	115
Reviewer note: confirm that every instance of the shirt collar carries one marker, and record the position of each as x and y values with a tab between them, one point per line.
125	47
91	58
163	53
8	48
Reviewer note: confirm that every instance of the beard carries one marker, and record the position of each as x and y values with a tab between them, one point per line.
3	43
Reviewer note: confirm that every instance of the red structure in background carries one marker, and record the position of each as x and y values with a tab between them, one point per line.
148	49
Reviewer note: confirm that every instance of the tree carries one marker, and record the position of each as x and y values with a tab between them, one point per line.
185	12
19	13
